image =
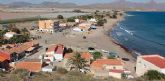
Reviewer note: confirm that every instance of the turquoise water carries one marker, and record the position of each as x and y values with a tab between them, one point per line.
142	32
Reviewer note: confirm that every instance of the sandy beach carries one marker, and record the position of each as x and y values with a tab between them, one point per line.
96	38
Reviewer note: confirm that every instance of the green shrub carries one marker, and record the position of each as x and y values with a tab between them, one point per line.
71	19
97	55
154	75
60	17
101	22
69	50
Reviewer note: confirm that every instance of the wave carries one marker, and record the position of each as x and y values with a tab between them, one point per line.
128	31
137	36
129	15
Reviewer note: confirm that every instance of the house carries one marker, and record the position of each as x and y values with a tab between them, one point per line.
107	67
4	60
84	26
63	24
17	51
32	65
54	53
150	62
9	35
92	20
77	20
86	55
46	25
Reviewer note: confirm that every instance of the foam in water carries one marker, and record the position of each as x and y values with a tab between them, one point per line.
129	32
142	32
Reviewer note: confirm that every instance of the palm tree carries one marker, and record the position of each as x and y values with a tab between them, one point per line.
78	63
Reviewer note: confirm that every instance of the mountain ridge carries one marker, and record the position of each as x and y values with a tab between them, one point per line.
120	4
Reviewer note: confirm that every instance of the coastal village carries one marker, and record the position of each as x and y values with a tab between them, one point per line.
78	43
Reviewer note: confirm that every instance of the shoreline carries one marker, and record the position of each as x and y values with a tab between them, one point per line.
121	18
108	30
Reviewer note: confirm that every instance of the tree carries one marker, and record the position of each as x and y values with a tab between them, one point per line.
71	19
14	29
60	17
19	39
154	75
97	55
100	23
77	62
69	50
2	32
25	31
113	16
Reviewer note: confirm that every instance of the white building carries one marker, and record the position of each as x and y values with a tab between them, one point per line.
54	53
9	34
150	62
77	20
92	20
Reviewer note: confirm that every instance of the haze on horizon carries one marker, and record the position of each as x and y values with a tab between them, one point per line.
80	2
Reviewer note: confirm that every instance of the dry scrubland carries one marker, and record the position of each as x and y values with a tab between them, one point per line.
59	75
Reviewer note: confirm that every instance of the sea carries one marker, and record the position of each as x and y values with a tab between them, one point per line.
141	33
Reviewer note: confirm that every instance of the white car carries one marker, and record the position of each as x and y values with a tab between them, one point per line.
105	51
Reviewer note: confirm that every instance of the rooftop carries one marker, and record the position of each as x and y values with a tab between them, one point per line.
10	33
85	55
157	60
99	63
20	47
58	49
4	56
33	65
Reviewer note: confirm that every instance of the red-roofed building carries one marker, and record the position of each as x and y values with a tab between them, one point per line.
55	52
32	65
4	60
17	51
150	62
107	64
107	67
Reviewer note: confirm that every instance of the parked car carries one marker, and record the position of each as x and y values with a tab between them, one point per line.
105	51
91	49
125	59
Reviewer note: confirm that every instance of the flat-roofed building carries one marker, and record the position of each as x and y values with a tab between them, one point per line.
46	25
150	62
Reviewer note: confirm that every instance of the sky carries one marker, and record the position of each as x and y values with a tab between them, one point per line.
75	1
